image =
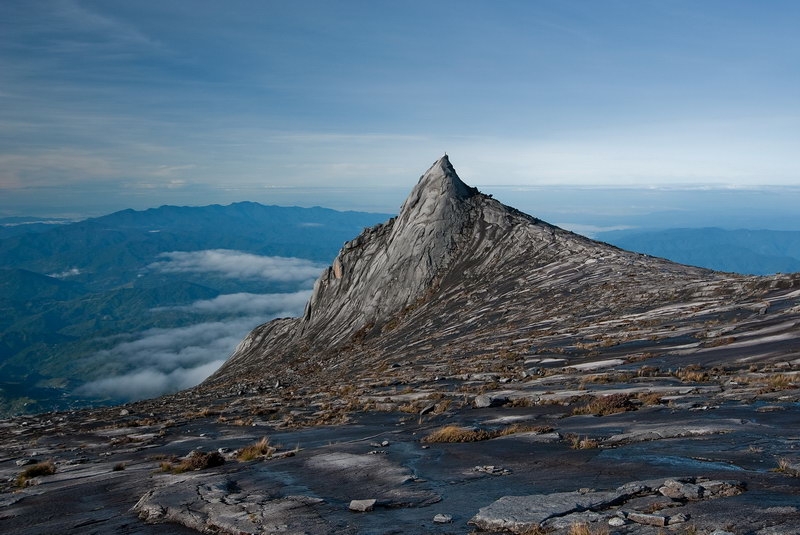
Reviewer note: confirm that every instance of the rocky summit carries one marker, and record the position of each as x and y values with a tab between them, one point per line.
461	368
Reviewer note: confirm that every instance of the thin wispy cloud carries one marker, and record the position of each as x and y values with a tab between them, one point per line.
369	101
238	265
39	168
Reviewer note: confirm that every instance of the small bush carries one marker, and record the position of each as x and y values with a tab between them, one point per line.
650	398
584	529
197	460
119	467
582	443
454	433
776	383
536	530
605	405
256	450
45	468
785	466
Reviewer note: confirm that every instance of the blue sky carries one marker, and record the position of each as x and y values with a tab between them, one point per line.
110	104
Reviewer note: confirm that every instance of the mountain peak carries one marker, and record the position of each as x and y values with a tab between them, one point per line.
439	181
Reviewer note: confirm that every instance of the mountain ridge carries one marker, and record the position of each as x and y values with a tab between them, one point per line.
523	381
449	245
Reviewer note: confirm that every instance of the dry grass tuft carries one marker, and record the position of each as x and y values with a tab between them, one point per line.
536	530
692	374
582	443
650	398
256	450
197	460
605	405
778	382
584	529
454	433
46	468
785	466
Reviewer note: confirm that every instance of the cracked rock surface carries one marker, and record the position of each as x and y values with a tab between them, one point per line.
464	362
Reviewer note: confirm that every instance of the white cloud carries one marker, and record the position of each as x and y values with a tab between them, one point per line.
238	265
72	272
149	382
162	361
281	305
42	167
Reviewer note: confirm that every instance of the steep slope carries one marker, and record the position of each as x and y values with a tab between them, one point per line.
458	269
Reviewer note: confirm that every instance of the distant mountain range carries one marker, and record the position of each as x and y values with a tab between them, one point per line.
73	294
752	252
138	303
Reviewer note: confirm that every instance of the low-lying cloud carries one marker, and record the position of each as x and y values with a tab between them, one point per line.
149	382
162	361
238	265
280	304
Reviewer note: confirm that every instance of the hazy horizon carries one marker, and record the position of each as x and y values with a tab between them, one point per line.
107	104
583	209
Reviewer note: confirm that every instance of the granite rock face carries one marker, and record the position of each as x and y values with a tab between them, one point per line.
453	245
461	362
382	271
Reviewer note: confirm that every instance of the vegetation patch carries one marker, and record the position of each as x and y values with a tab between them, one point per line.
584	529
577	442
454	433
605	405
786	466
197	460
258	449
46	468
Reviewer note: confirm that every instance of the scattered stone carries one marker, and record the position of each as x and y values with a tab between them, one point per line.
616	522
443	519
493	470
679	490
680	518
124	412
484	401
573	519
385	443
362	506
719	489
26	461
520	513
377	452
648	520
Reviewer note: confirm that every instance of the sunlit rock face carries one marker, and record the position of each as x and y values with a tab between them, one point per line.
457	268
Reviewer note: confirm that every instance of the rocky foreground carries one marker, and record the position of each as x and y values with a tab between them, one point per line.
463	368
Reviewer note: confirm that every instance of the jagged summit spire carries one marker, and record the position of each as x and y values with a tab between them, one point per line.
440	180
392	265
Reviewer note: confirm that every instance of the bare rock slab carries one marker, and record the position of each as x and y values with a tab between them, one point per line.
217	504
518	514
362	506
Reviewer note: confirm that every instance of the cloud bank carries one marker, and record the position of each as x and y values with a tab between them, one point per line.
238	265
162	361
279	305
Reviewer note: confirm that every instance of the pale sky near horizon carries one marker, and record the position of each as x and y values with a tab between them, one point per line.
116	103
